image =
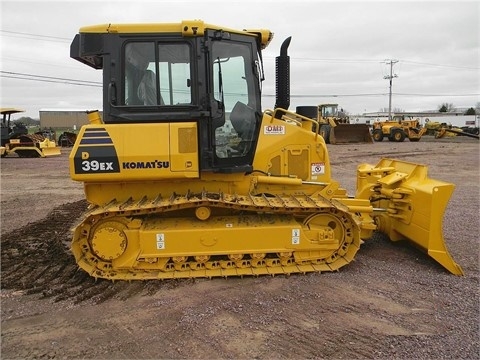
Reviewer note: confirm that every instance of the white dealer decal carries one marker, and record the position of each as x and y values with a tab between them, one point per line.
274	130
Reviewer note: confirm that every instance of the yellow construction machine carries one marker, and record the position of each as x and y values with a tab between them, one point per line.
440	130
217	187
335	126
17	140
452	131
398	129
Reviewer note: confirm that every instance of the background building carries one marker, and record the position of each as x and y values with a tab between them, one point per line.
63	119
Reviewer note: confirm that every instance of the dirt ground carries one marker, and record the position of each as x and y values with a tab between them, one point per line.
392	302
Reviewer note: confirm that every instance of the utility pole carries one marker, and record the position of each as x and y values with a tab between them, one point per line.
390	77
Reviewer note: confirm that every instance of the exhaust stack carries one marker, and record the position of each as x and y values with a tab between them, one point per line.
282	77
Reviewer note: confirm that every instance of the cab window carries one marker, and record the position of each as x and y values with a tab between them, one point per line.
235	87
157	74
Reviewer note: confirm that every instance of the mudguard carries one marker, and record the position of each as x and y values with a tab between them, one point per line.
408	205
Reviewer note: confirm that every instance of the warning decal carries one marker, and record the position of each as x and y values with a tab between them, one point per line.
295	236
160	241
318	168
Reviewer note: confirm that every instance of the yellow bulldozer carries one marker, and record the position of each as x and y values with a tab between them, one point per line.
16	139
398	129
219	187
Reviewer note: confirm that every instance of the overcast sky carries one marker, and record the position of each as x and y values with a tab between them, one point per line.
337	53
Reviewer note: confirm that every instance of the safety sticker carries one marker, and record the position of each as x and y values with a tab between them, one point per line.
160	241
295	236
274	130
318	168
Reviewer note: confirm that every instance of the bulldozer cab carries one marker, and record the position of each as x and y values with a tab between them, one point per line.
330	114
328	110
185	73
6	129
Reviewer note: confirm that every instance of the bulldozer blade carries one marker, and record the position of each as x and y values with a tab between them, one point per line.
49	148
350	133
408	205
51	151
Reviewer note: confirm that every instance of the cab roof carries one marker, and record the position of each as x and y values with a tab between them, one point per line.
9	111
186	28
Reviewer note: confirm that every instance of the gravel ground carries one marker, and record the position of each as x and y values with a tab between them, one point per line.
392	302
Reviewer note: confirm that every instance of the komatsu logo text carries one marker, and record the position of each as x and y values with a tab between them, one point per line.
155	164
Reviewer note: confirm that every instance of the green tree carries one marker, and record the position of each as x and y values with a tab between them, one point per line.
470	111
446	107
28	121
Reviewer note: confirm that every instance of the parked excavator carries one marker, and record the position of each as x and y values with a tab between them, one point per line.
335	126
16	139
217	187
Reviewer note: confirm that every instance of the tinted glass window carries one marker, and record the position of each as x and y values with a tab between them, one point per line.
234	86
157	74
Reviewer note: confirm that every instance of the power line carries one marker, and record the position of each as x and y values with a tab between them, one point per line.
334	95
403	94
35	36
343	60
51	79
24	76
440	65
29	61
372	94
335	60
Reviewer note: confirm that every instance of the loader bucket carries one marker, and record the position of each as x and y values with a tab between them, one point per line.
350	133
408	205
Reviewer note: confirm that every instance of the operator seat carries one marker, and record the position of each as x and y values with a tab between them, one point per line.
147	90
243	120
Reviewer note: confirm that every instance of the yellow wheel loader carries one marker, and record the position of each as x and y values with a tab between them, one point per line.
217	187
335	126
16	139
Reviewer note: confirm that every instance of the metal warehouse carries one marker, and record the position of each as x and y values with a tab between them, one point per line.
63	119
